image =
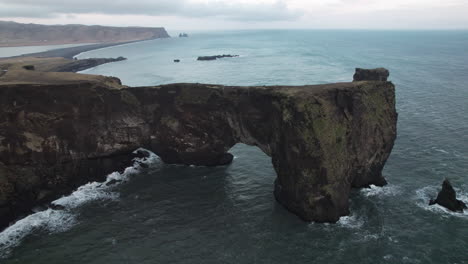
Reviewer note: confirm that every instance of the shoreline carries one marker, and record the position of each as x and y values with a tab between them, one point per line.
39	44
71	52
63	59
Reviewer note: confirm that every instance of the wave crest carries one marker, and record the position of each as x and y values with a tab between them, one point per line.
60	220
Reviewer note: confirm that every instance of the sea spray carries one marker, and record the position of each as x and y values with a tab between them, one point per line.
49	220
351	221
373	190
63	218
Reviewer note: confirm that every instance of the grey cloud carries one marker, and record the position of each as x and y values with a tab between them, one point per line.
23	11
47	8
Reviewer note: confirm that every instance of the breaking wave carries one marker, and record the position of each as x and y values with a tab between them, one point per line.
63	218
388	190
351	221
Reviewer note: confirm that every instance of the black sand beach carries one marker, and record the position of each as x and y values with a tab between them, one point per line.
71	52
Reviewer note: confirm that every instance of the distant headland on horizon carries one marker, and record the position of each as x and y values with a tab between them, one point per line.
14	34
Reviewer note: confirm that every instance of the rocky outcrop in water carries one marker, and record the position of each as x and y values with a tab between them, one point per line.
323	139
215	57
448	198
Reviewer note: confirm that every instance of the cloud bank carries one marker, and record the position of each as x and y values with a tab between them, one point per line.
244	14
238	11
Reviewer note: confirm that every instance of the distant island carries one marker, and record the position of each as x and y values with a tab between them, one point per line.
14	34
183	35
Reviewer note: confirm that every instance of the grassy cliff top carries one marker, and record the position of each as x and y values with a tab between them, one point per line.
15	71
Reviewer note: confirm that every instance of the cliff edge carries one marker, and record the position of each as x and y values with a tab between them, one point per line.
323	139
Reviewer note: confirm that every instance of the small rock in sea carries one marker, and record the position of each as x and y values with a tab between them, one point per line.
176	60
448	198
208	58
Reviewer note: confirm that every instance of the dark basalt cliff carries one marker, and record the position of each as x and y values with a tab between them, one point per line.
323	139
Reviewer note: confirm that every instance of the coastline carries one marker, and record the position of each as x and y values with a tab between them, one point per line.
42	43
63	59
71	52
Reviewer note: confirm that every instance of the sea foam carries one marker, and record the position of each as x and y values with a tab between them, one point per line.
424	195
388	190
351	221
60	220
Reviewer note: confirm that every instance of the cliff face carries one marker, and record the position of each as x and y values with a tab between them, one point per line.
323	139
16	34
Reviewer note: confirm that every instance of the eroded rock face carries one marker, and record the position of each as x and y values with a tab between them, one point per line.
323	139
379	74
448	198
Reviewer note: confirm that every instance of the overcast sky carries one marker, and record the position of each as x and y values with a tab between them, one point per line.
244	14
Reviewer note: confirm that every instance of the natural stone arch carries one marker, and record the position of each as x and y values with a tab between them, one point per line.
323	139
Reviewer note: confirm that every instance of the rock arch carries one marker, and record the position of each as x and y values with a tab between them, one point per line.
322	139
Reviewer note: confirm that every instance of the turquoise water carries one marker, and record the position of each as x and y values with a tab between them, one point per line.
178	214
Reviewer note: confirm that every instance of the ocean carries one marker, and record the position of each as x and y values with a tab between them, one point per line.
179	214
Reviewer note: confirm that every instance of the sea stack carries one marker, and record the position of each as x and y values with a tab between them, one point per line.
379	74
447	198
